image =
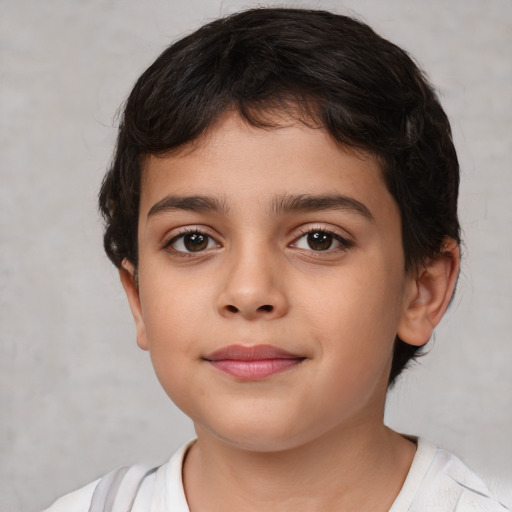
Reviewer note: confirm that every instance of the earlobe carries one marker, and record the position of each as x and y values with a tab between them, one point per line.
429	295
128	279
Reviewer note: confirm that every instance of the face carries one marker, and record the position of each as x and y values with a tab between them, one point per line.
271	284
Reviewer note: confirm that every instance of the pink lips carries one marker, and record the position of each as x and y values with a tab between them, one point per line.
252	363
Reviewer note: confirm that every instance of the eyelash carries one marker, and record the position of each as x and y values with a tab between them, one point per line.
344	243
188	231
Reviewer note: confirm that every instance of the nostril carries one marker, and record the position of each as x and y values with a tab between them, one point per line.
266	307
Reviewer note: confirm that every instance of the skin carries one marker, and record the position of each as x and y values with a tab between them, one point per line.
311	437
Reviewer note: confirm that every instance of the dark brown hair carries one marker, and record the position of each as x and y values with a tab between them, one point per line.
320	68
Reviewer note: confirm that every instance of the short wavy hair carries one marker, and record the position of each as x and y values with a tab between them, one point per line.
322	69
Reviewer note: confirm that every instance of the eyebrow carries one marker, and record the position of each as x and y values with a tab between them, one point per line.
279	205
309	203
188	203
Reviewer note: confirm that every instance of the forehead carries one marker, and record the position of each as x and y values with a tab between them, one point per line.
241	164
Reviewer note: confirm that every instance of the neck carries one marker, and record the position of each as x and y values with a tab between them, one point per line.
362	468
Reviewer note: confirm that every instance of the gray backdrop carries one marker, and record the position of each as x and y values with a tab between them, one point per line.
77	396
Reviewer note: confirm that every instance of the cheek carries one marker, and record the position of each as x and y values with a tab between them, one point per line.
362	304
354	320
355	339
173	349
172	304
174	323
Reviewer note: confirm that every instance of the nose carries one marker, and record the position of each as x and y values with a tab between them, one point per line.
253	287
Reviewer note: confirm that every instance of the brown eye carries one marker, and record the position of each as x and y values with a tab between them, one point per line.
192	242
319	240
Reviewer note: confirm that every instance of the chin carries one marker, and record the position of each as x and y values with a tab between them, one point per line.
261	443
258	436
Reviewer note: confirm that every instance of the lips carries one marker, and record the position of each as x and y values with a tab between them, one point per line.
255	362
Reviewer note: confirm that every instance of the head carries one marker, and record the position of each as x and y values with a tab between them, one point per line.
270	66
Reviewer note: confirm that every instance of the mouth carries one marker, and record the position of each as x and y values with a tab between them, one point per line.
255	362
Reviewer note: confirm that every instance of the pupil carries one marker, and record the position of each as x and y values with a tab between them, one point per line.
195	242
319	241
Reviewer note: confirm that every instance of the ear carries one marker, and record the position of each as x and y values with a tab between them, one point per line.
129	282
430	292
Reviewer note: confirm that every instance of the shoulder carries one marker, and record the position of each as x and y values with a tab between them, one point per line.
126	488
438	481
136	488
122	487
76	501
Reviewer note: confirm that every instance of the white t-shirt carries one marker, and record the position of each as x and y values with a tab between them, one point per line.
437	482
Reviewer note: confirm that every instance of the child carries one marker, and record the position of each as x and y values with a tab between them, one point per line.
282	208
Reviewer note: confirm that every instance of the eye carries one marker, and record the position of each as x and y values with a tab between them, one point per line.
194	241
320	240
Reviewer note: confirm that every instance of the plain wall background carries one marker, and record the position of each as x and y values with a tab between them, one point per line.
77	397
